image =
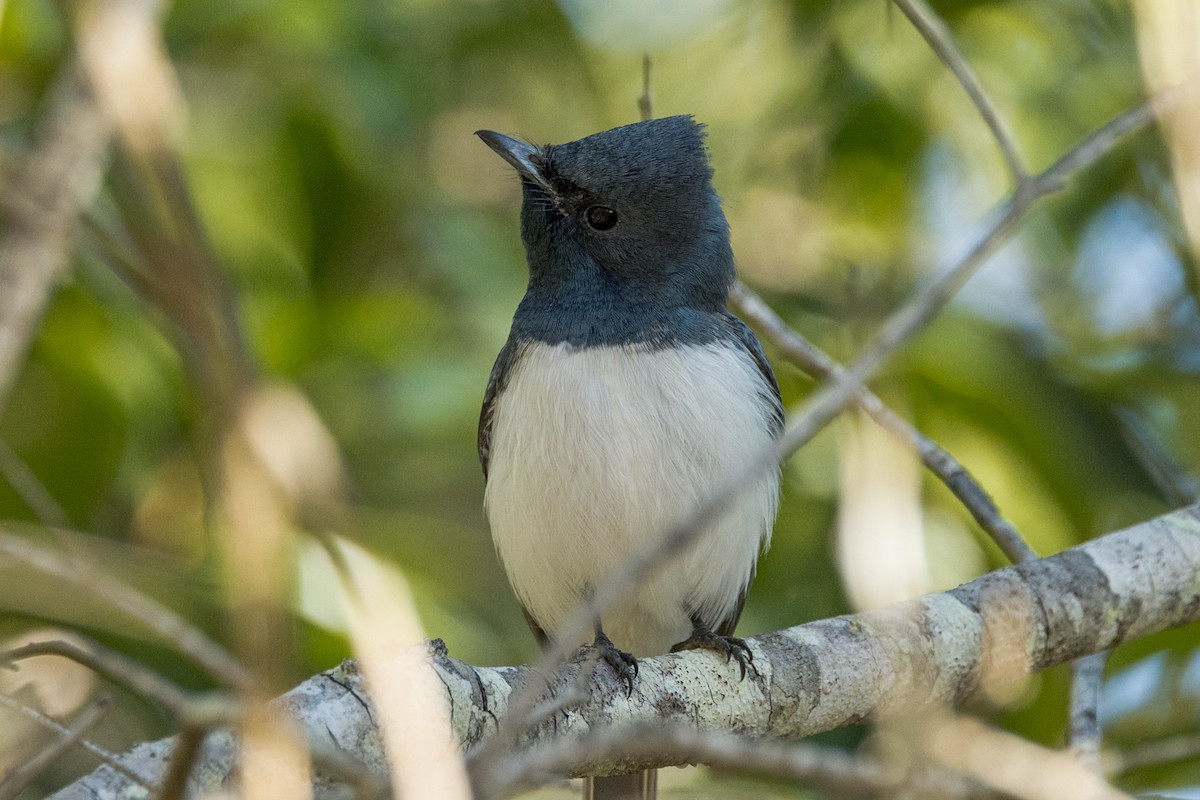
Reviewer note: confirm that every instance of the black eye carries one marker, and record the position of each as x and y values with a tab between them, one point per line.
600	217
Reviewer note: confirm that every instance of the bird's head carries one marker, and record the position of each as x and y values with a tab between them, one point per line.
631	208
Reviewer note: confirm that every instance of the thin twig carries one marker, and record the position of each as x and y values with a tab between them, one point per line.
954	475
101	755
83	576
22	774
39	201
936	35
830	768
31	489
1152	754
1087	674
644	107
935	293
1172	481
116	667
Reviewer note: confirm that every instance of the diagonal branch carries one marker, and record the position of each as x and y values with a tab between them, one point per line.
933	296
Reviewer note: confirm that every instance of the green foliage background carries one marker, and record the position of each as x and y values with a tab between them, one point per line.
370	242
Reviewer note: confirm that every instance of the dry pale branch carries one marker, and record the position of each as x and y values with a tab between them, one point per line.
935	651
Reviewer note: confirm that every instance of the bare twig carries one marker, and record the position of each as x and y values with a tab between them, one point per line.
1172	481
830	768
32	491
1087	674
813	360
910	318
644	106
79	573
116	667
1152	754
934	31
20	776
104	756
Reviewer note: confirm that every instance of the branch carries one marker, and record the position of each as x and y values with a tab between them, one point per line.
63	732
934	31
1087	675
74	569
938	650
803	353
24	773
39	202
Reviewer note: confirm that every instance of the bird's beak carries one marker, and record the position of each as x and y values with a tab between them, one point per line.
518	154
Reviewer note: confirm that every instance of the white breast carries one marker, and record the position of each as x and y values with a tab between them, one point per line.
594	450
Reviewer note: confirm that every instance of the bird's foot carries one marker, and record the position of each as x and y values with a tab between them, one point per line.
729	646
624	664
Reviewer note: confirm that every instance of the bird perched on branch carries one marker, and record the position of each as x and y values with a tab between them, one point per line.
626	395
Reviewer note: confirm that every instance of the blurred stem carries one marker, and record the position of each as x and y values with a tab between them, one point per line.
183	757
644	107
22	774
101	755
1171	479
31	489
834	770
1152	754
78	573
1087	675
40	197
116	667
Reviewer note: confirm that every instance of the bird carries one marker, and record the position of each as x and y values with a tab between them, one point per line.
625	395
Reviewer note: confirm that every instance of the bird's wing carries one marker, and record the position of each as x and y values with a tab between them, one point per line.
770	388
726	626
770	392
487	414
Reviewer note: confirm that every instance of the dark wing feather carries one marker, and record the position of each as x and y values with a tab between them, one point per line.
770	392
487	415
770	388
726	626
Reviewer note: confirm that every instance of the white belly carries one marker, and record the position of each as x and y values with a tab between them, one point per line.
595	450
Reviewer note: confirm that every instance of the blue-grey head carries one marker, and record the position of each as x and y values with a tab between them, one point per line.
623	232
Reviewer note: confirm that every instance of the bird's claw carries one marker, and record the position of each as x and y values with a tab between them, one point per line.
624	664
729	646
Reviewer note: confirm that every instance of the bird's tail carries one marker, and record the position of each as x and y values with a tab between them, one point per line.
636	786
